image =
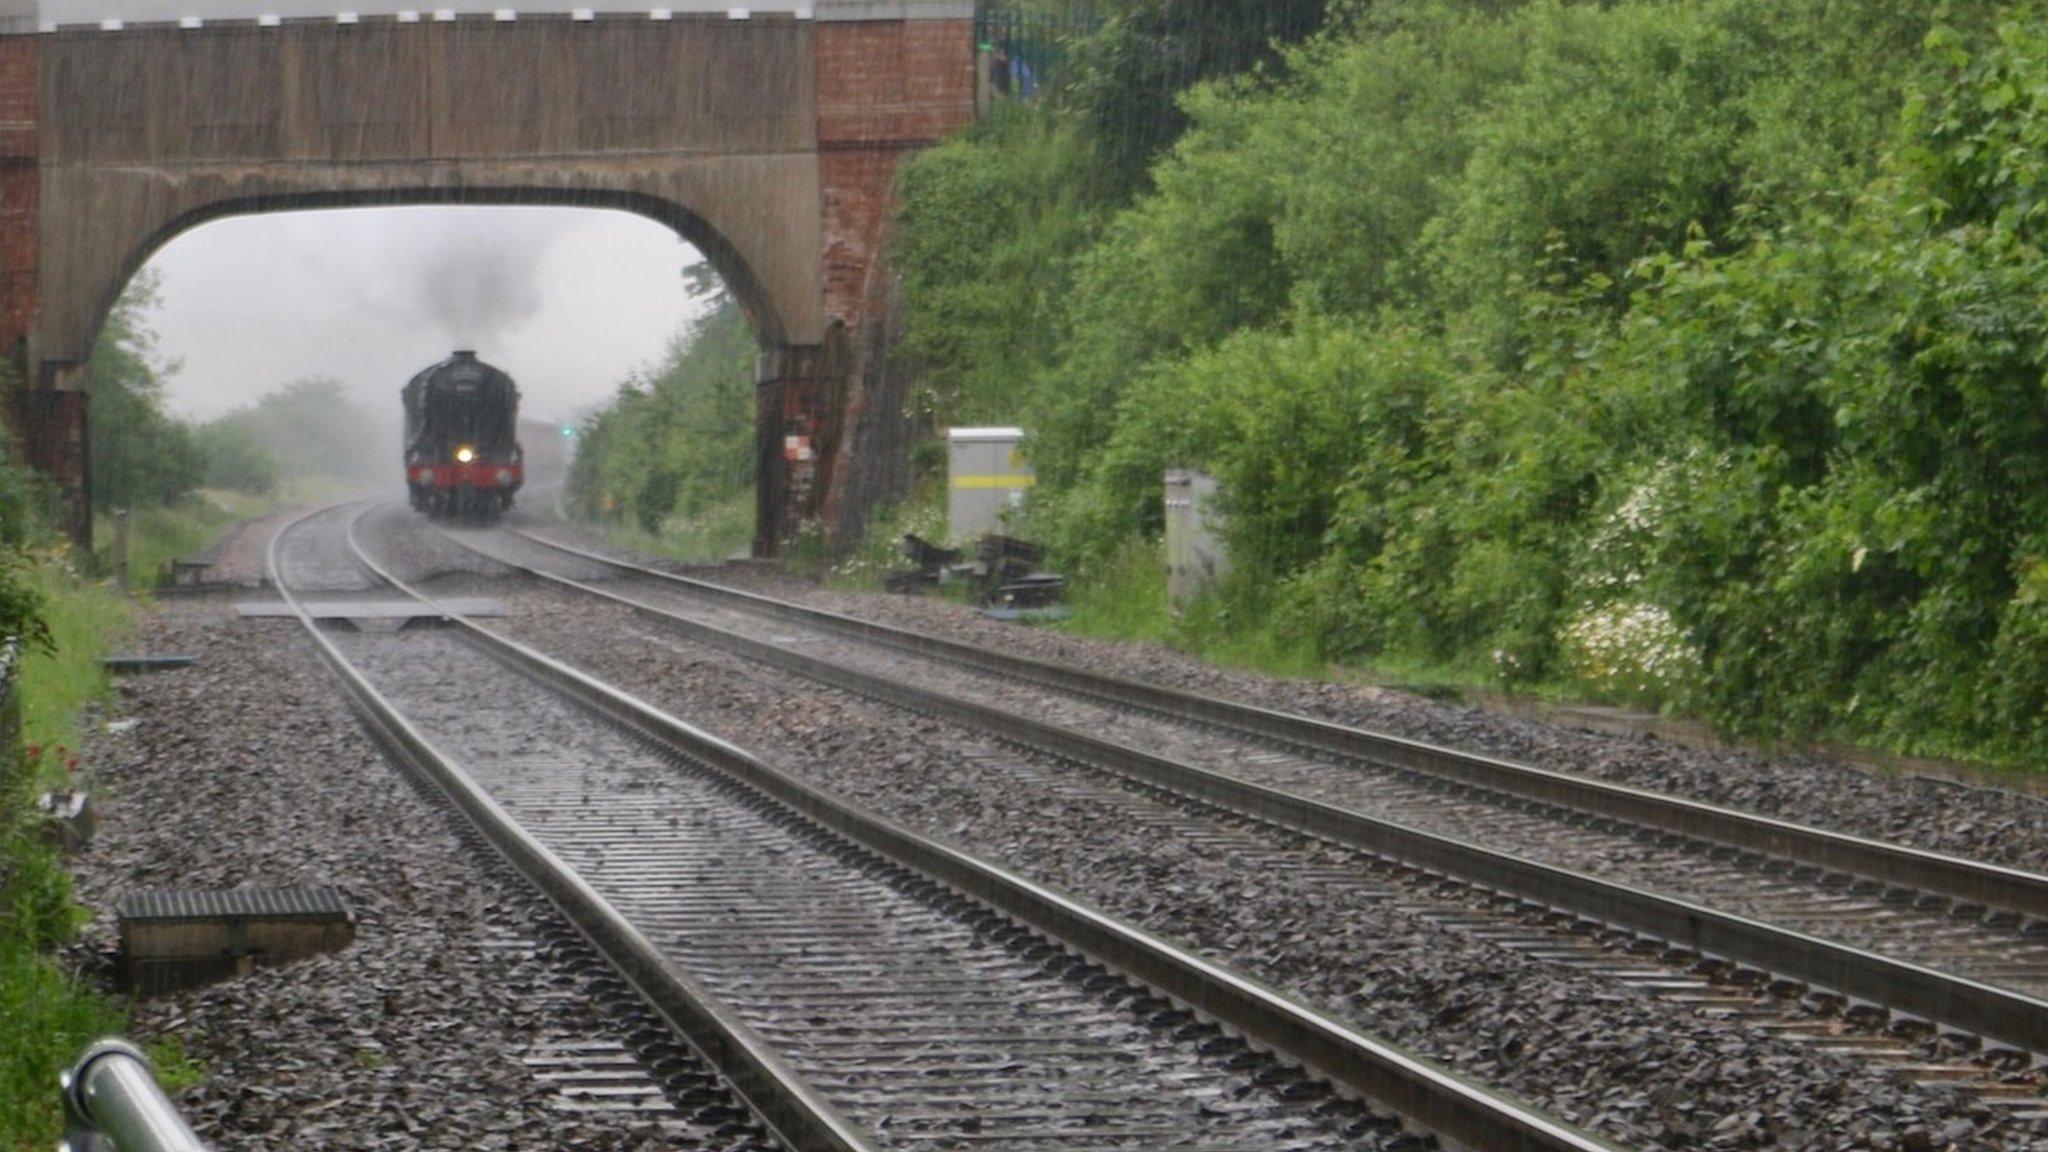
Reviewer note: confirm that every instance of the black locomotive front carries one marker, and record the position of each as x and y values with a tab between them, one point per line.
462	455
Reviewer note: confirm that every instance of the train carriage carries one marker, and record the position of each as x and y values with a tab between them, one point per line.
462	454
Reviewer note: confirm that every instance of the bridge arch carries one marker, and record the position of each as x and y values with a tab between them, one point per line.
766	316
770	143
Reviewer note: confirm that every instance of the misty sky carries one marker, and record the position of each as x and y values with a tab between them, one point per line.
566	300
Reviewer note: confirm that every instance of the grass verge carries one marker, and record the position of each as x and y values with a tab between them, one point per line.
720	532
46	1016
86	618
1125	599
181	531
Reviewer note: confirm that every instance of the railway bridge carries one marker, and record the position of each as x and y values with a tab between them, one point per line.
769	139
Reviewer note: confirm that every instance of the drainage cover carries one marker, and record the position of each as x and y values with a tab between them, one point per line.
181	939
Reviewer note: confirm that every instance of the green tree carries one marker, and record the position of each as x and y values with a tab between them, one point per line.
679	439
140	455
235	459
989	229
311	427
1129	75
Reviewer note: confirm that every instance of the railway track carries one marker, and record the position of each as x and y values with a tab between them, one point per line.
1967	965
863	986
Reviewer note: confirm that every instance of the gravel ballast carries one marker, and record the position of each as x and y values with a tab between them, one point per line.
1636	1069
901	1007
249	769
1979	821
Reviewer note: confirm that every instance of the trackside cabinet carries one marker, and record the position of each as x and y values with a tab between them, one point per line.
986	475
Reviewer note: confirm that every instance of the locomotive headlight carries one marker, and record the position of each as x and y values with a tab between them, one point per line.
465	454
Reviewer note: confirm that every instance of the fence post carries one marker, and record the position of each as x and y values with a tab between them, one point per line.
121	548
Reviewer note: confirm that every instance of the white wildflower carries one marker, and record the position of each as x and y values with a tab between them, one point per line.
1631	650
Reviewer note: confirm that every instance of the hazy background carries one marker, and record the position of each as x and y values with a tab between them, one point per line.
566	300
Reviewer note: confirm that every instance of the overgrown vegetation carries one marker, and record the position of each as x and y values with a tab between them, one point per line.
1679	354
671	459
141	456
1676	354
62	624
182	485
304	434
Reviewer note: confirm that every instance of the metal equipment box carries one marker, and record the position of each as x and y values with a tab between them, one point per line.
986	476
1195	559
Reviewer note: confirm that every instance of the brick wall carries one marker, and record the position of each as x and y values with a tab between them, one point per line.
884	88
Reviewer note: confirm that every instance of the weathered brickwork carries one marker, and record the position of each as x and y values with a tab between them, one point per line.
50	429
857	188
20	192
884	90
905	83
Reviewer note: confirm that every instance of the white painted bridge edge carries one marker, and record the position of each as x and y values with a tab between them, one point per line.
19	17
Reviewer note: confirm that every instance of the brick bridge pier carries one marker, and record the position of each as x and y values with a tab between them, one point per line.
771	142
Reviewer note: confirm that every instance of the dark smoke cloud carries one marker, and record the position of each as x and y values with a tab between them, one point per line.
466	276
480	291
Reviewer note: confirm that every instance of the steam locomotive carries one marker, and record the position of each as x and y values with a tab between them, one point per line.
462	455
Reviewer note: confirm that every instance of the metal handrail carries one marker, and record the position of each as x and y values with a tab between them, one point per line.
113	1102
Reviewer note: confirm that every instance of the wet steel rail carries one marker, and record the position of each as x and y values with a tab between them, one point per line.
1961	880
1964	965
865	985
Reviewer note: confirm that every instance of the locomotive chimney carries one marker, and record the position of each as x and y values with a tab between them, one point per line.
465	353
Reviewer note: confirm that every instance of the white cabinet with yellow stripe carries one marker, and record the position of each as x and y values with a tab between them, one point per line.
986	475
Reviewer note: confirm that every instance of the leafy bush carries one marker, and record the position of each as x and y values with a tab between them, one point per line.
23	629
1870	382
1690	354
141	457
676	444
991	224
235	460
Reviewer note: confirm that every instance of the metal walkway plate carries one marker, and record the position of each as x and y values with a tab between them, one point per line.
375	609
314	903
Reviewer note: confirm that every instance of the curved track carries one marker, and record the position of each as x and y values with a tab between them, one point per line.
862	985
